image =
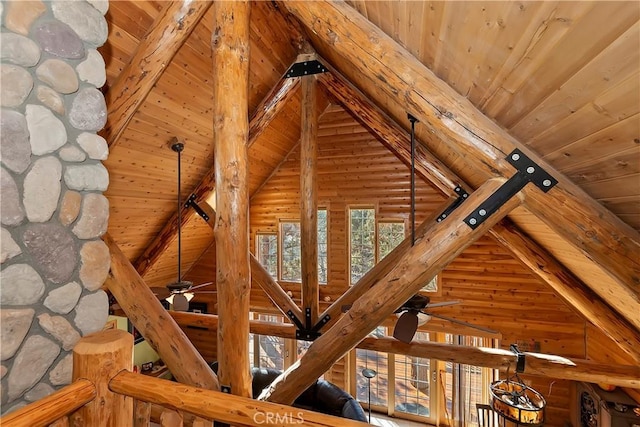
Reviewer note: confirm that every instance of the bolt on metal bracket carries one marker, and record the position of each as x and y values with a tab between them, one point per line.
527	171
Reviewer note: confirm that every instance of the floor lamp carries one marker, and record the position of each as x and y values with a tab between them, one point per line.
368	374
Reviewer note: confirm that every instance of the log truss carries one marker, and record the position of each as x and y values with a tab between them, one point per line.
452	119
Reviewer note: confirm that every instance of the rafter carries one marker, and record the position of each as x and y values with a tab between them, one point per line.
154	323
169	31
441	244
481	144
540	262
264	113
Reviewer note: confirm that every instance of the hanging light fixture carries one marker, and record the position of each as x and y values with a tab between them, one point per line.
517	402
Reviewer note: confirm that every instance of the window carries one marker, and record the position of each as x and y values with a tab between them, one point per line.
390	235
362	242
267	252
322	246
291	267
291	262
268	351
410	387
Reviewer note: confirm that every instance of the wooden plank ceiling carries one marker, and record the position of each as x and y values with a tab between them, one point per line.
562	77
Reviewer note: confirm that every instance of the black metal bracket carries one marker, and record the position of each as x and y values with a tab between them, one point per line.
308	332
462	196
528	171
520	361
306	68
191	202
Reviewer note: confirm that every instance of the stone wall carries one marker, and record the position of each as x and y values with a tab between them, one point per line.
52	208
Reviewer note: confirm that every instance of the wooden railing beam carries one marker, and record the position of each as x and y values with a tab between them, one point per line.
236	410
48	409
546	365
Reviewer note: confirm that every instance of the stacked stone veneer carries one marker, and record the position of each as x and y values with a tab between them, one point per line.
52	208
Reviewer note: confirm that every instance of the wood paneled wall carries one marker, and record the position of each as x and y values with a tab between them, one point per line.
496	290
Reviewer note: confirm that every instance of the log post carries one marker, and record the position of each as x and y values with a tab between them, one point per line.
230	42
154	323
439	246
309	199
157	48
98	357
388	69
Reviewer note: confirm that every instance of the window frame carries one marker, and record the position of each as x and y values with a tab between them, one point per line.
258	234
349	239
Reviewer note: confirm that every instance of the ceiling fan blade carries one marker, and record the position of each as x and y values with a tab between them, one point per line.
161	293
460	322
443	304
180	302
406	327
202	285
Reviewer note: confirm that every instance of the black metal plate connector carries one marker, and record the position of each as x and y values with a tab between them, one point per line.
528	171
191	202
308	332
531	170
462	196
306	68
520	361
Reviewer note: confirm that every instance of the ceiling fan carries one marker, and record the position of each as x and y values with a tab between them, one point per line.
180	292
416	311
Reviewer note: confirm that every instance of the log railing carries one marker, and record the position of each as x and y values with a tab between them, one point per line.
53	407
106	393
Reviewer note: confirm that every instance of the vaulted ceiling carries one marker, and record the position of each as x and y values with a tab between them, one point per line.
562	78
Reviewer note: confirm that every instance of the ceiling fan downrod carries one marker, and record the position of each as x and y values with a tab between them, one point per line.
413	121
178	147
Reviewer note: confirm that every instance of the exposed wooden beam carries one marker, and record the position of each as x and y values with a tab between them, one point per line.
169	31
535	363
309	198
236	410
481	144
154	323
388	132
262	116
545	365
539	261
261	277
569	288
440	245
230	46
